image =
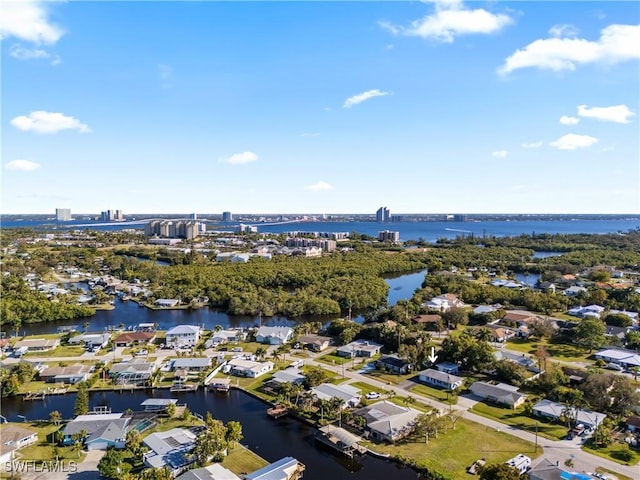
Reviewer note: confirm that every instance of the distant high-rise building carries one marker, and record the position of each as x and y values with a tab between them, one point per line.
118	216
388	236
193	216
383	215
63	214
227	217
460	217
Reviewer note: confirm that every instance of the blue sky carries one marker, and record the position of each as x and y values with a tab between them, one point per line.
310	107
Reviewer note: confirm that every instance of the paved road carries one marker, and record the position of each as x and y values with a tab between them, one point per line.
554	451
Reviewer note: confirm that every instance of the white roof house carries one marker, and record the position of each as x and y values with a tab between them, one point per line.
621	356
191	364
440	379
443	302
183	335
247	368
212	472
348	394
388	421
286	468
501	393
274	335
289	375
170	449
554	410
359	348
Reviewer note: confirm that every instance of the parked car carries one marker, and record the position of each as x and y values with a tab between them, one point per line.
615	366
372	395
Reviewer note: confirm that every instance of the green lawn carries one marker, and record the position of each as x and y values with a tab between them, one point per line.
517	418
389	378
368	388
435	393
423	407
61	351
559	351
619	476
612	452
456	449
331	359
44	449
241	461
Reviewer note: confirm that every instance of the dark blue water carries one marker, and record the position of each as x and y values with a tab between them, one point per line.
429	231
271	439
130	314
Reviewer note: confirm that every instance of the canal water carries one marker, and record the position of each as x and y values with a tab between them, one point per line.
271	439
130	314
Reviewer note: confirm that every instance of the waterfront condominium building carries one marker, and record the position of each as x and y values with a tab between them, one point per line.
388	236
383	215
63	214
227	217
169	229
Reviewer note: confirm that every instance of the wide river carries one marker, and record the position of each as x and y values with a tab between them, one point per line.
271	439
130	314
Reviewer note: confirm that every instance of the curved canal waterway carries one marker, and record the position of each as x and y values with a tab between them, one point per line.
130	314
271	439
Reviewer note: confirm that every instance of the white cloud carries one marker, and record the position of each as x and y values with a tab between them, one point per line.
565	120
165	72
319	186
22	53
48	122
500	154
22	165
532	145
563	30
573	141
362	97
240	158
451	19
28	21
617	43
615	113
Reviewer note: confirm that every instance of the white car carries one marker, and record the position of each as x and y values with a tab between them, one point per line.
372	395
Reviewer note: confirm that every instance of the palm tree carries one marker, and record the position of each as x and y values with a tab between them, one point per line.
55	417
260	353
275	355
484	334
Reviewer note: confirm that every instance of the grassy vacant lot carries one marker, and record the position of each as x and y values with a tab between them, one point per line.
435	393
452	452
241	461
517	418
165	423
44	448
331	359
61	351
367	388
389	378
613	452
559	351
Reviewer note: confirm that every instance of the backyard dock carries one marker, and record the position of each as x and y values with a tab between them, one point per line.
41	395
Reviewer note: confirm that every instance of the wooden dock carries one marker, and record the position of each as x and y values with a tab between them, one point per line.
183	388
278	411
43	393
340	440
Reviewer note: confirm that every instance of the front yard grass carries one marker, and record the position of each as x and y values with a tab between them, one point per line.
241	461
518	419
435	393
389	378
555	349
331	359
61	351
368	388
452	452
614	452
45	449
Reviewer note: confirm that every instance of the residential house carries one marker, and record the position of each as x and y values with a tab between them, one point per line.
289	375
170	449
447	367
225	336
70	374
394	364
274	335
316	343
440	379
632	315
359	348
575	290
519	317
38	344
623	357
387	421
349	395
555	411
429	322
195	364
501	394
520	359
101	430
13	437
548	470
212	472
248	368
484	309
167	302
496	333
287	468
506	283
633	423
91	341
183	336
443	302
129	339
588	311
132	372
